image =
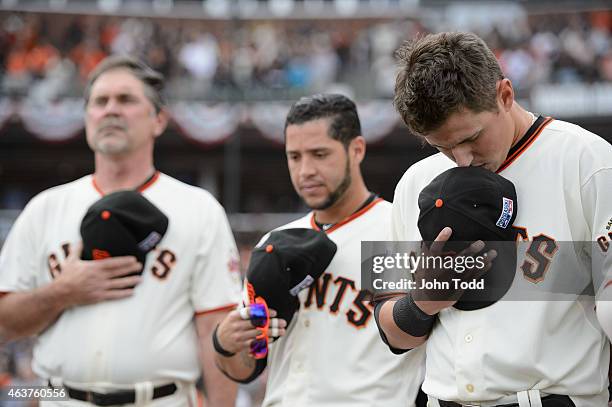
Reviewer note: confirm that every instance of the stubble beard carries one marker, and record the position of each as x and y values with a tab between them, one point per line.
110	144
336	194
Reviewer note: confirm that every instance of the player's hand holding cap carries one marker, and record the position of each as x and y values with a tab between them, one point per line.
478	205
123	223
285	263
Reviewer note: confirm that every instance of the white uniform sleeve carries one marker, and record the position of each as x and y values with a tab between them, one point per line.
216	282
405	210
19	254
397	220
596	194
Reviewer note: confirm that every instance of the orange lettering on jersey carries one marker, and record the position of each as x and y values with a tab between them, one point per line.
66	249
357	315
319	291
603	243
55	268
538	257
521	233
163	264
344	283
360	318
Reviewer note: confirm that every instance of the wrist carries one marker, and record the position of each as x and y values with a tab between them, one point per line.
411	319
430	308
218	347
58	296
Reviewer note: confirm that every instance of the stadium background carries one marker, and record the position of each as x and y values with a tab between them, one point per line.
234	67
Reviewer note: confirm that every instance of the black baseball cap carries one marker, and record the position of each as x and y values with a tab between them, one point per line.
123	223
478	205
288	261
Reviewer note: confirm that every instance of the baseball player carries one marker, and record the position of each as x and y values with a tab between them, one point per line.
331	354
450	90
104	341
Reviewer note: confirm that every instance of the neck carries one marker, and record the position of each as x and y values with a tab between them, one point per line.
522	122
113	174
352	199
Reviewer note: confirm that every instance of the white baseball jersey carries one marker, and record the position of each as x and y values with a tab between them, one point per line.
332	354
151	335
563	179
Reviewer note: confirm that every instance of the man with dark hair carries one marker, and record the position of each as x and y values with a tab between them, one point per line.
115	331
450	91
330	355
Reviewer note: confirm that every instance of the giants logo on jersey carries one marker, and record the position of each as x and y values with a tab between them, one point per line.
320	293
604	242
539	254
162	265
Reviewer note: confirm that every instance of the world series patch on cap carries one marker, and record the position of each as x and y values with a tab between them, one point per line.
123	223
287	262
478	205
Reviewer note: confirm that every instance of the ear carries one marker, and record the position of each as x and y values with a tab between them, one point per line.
505	93
161	121
357	149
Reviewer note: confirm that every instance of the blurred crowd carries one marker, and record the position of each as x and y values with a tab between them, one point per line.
50	55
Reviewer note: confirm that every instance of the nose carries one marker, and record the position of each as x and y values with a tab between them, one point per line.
112	107
307	168
462	155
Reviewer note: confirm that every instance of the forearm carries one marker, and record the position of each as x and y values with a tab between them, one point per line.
395	336
239	367
220	391
28	313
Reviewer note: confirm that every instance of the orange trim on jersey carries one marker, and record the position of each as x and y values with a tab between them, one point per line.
357	214
141	188
609	283
95	185
525	145
149	183
218	309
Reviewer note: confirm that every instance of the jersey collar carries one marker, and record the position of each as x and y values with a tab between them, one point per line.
527	140
346	220
149	181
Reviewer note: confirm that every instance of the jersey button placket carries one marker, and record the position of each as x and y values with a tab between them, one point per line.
470	373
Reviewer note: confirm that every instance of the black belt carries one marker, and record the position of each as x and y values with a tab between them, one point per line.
118	397
552	400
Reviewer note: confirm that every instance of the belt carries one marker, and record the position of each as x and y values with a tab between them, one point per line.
118	397
552	400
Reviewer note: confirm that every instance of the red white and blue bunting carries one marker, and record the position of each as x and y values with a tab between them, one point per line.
204	124
52	122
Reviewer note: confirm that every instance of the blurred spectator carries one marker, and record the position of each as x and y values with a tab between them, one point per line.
199	56
86	55
41	57
251	59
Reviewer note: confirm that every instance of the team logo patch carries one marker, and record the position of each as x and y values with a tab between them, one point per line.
506	215
306	282
150	241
